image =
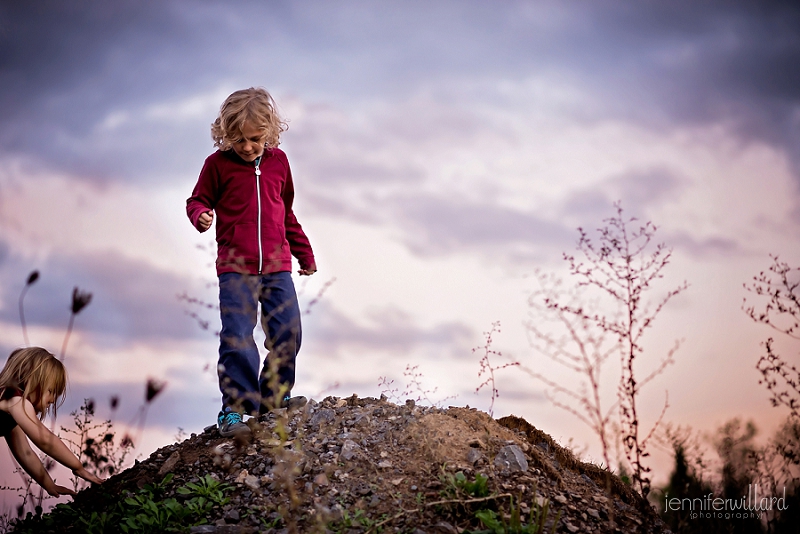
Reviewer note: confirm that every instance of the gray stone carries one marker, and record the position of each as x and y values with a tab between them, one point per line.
512	458
170	463
474	456
325	415
349	450
231	516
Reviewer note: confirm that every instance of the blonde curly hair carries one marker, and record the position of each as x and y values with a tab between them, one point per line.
255	106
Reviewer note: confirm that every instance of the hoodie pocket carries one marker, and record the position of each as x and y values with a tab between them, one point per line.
244	245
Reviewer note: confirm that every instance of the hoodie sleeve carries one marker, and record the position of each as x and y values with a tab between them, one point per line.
205	194
298	241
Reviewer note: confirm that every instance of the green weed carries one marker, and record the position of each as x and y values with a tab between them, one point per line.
499	524
458	485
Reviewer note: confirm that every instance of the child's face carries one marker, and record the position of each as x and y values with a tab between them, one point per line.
48	398
251	144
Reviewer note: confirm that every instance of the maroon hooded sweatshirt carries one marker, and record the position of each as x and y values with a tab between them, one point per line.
257	232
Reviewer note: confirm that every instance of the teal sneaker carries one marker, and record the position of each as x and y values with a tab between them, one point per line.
230	424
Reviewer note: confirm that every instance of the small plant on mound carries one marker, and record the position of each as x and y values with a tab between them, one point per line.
513	523
148	511
458	486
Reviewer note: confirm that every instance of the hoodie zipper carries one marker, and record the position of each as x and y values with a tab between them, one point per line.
258	200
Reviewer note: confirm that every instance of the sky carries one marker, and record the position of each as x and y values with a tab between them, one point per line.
443	153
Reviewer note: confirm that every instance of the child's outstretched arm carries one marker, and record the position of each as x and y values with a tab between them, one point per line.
21	449
24	414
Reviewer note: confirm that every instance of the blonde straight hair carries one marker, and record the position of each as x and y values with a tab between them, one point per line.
34	370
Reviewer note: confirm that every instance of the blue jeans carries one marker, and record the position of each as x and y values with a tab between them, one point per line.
243	387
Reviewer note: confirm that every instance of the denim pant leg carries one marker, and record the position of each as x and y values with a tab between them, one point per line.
238	355
281	322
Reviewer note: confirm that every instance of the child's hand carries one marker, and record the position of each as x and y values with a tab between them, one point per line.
57	491
205	220
86	475
307	272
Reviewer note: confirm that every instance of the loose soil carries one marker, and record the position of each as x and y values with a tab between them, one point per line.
355	465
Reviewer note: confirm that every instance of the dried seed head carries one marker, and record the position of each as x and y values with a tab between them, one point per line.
154	387
32	277
80	300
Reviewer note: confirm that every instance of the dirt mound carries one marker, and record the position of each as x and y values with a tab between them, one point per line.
364	465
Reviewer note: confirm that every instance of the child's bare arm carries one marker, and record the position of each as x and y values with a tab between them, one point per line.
24	414
21	449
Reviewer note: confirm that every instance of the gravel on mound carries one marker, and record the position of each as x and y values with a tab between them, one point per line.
368	465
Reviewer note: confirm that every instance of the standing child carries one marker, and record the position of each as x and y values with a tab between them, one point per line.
32	383
248	185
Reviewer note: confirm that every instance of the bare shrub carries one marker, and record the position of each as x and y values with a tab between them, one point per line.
487	368
780	285
615	273
95	444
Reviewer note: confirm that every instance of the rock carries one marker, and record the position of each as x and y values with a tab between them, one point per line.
325	415
243	474
512	458
169	464
321	480
231	516
592	512
474	456
560	499
385	464
363	489
349	450
251	482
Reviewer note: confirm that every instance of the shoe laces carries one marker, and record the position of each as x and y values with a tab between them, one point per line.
231	418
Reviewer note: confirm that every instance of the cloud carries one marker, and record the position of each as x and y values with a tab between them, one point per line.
705	247
435	225
167	412
132	300
637	190
90	78
681	63
387	330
